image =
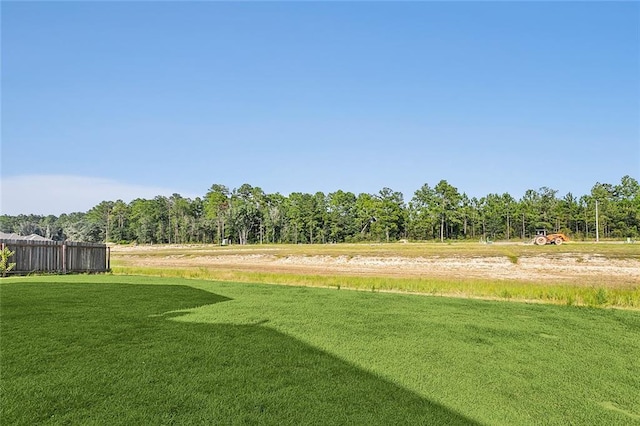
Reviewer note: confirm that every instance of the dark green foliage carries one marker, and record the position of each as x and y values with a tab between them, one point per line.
249	215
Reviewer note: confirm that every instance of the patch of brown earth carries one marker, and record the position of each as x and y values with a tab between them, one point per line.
565	268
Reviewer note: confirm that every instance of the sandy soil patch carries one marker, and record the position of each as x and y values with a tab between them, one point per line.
567	268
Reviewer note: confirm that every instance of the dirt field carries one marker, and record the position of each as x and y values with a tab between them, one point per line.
579	264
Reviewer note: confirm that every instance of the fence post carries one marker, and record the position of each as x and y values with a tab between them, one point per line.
108	258
64	258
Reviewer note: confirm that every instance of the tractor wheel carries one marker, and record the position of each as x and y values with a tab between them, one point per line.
557	241
540	240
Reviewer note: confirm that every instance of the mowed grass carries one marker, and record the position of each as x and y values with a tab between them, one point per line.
144	350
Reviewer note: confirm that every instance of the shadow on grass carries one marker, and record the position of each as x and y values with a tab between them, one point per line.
106	354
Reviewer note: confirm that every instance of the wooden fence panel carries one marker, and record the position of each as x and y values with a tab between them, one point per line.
86	257
55	256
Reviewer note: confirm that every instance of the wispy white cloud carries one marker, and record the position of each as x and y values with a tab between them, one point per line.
57	194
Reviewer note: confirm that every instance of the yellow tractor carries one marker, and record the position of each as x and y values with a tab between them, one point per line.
542	238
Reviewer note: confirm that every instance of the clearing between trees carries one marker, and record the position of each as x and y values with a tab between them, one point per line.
604	274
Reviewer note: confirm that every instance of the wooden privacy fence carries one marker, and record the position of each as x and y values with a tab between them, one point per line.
55	256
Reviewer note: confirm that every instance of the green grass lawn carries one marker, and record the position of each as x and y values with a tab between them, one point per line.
144	350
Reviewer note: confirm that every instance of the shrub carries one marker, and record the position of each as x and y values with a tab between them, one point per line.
5	265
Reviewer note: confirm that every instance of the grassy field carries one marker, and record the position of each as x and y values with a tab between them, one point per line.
144	350
603	295
598	289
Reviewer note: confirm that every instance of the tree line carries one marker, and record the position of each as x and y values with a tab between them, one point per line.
248	215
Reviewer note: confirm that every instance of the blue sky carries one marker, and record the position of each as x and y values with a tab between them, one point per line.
112	100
